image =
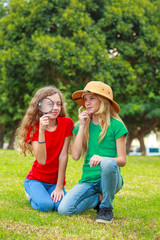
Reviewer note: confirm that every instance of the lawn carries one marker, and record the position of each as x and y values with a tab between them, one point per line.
136	206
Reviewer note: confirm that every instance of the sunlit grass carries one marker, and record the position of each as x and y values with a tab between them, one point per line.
136	206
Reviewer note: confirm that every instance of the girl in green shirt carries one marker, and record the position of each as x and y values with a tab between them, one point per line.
100	138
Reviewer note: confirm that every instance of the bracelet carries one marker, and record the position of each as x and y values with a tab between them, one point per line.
41	142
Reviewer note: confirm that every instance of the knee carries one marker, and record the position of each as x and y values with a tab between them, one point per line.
65	209
45	206
108	165
62	210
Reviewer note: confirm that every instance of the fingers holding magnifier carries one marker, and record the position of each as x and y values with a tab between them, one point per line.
44	121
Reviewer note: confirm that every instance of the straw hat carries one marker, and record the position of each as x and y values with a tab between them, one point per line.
98	88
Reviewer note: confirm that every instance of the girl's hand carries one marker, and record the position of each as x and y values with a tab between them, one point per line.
44	121
95	160
83	116
57	194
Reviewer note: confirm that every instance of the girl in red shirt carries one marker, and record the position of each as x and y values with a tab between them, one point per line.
46	136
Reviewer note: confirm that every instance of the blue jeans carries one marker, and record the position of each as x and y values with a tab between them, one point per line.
39	195
87	195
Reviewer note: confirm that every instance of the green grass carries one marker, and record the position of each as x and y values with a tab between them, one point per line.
136	206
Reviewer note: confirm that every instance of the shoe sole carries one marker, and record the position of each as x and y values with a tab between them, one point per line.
27	195
102	221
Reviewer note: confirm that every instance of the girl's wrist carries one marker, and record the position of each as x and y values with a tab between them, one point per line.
42	134
81	126
59	187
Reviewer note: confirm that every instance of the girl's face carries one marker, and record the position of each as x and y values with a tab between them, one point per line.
92	103
56	107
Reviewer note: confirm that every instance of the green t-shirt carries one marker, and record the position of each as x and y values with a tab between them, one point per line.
105	148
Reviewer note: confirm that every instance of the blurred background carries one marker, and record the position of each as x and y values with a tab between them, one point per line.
68	43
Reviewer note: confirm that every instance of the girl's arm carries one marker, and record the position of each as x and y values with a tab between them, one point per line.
58	193
121	152
76	148
39	148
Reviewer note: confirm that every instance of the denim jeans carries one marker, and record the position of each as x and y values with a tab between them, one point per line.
39	195
87	195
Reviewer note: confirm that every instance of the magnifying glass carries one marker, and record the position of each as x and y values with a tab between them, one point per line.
45	105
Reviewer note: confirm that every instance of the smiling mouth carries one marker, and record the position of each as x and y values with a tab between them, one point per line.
53	113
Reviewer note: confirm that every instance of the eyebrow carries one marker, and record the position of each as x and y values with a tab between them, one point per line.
56	101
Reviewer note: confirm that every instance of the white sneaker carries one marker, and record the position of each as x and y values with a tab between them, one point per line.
27	195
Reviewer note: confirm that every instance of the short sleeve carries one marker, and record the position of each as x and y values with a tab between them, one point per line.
76	128
119	129
35	134
70	126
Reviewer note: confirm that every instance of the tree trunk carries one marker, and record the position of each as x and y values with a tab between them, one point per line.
142	146
130	138
12	136
1	135
11	140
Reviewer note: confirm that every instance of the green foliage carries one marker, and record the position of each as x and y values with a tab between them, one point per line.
136	205
69	42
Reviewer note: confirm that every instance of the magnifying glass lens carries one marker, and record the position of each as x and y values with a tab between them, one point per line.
45	105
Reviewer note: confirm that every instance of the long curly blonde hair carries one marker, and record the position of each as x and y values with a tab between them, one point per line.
32	116
105	112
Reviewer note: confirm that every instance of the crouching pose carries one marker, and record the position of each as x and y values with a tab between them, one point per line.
100	138
46	132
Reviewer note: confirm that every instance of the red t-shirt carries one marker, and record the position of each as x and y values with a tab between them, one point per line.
48	173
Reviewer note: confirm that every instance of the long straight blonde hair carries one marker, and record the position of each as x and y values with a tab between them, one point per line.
32	116
105	112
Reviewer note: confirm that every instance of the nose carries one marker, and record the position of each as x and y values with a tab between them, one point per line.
55	106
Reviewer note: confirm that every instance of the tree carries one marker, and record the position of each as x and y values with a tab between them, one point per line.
68	42
2	125
132	31
47	42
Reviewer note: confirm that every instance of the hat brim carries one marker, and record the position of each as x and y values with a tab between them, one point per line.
77	97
